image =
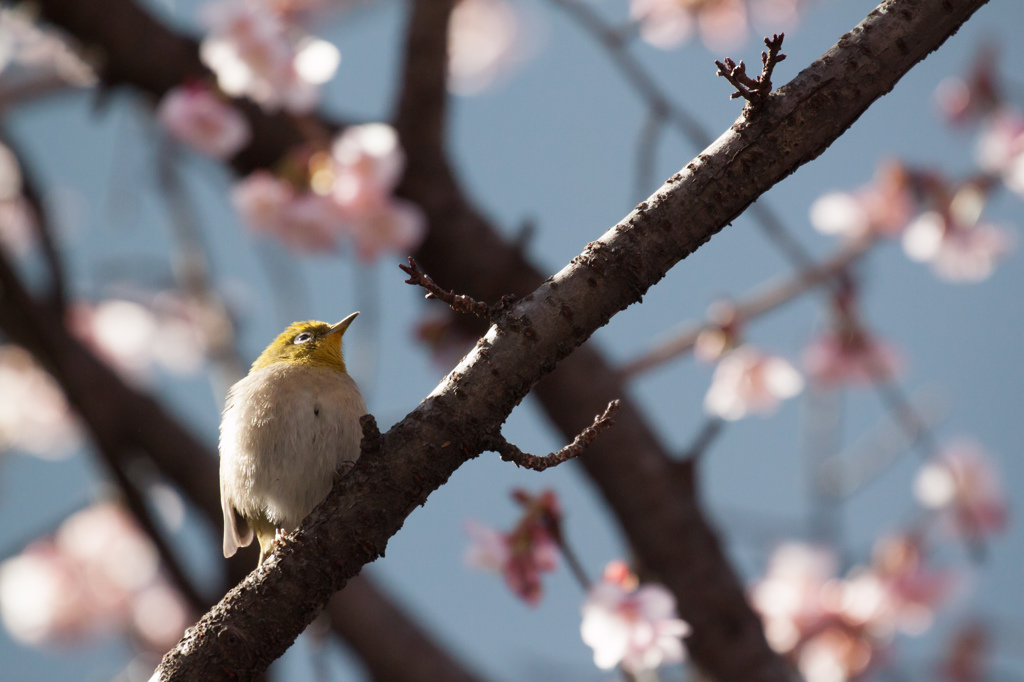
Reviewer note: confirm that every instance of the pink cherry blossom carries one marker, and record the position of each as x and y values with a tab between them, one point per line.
663	23
957	252
967	99
747	380
483	42
634	627
789	596
34	415
524	554
779	14
305	222
836	654
882	208
135	338
97	576
963	484
369	162
250	50
260	198
197	117
41	598
39	48
916	590
722	24
521	557
397	225
849	357
310	223
1001	148
18	229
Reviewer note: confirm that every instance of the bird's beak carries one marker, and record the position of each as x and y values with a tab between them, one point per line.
340	328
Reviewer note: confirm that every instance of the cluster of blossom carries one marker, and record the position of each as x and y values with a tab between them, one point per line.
196	115
939	221
257	50
485	39
978	99
17	219
26	44
630	625
134	338
947	231
522	555
34	416
97	575
721	24
626	624
748	381
344	193
836	629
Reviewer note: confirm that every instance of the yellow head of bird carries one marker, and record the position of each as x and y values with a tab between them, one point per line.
313	344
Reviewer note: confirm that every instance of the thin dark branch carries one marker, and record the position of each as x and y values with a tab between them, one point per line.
647	154
57	295
460	303
573	561
510	453
754	90
112	450
705	437
766	298
614	42
136	504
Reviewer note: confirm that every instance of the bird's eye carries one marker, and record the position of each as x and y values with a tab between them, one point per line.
302	338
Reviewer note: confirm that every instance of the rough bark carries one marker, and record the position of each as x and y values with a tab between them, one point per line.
259	619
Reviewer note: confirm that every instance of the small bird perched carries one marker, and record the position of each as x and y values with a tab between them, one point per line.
287	428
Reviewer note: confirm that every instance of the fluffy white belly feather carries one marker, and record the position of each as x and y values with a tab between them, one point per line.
285	431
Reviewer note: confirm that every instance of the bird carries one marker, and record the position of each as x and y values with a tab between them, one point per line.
287	429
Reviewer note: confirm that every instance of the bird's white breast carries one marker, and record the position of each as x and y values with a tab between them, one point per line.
286	430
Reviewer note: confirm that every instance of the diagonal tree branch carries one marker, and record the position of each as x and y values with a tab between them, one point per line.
664	523
366	507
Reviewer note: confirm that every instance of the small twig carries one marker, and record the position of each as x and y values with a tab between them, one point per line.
510	453
754	90
460	303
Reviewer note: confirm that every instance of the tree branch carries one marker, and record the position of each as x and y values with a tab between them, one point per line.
370	504
460	303
511	453
765	299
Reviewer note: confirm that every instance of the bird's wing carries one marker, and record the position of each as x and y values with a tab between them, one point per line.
237	531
